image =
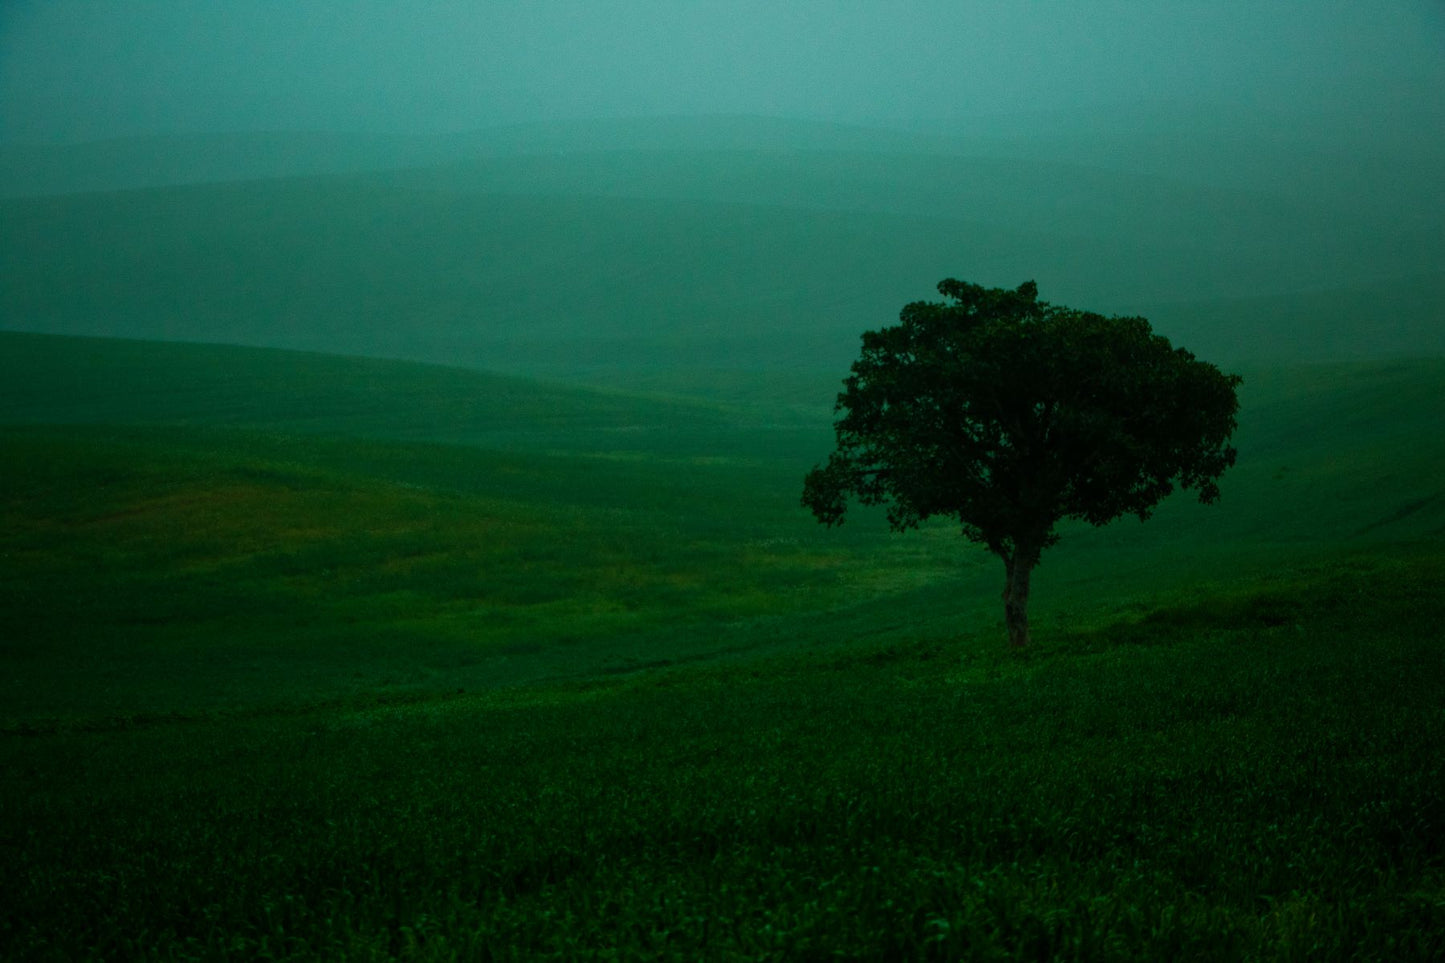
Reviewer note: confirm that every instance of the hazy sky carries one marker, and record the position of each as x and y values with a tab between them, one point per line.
80	70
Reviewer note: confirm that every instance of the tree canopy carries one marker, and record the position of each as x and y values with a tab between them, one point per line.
1011	414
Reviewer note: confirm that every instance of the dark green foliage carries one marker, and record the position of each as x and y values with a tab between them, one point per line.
1012	414
1009	415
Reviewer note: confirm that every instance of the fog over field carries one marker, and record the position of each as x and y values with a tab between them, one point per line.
408	542
571	187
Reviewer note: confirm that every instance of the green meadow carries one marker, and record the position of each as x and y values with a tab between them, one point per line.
402	557
310	656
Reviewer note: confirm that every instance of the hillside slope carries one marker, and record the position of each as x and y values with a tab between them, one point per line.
297	513
50	379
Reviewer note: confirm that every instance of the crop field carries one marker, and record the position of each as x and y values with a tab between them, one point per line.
320	657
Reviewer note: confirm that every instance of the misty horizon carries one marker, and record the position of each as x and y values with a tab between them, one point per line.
74	72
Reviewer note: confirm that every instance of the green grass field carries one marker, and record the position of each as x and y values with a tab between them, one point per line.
319	657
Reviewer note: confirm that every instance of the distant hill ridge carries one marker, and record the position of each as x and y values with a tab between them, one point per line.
688	243
28	170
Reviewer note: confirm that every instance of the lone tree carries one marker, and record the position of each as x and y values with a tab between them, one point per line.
1009	414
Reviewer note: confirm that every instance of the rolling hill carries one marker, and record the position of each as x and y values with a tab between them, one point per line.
696	247
318	656
528	529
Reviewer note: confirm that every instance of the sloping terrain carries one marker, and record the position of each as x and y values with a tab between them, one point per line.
281	682
61	379
346	523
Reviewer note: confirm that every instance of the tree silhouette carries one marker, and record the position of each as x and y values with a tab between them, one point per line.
1011	414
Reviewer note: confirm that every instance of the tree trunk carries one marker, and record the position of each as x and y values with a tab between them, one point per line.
1018	567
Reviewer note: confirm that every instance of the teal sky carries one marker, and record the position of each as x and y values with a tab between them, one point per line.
84	70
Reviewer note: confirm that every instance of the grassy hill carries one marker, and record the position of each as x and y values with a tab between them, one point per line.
58	379
447	527
315	656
